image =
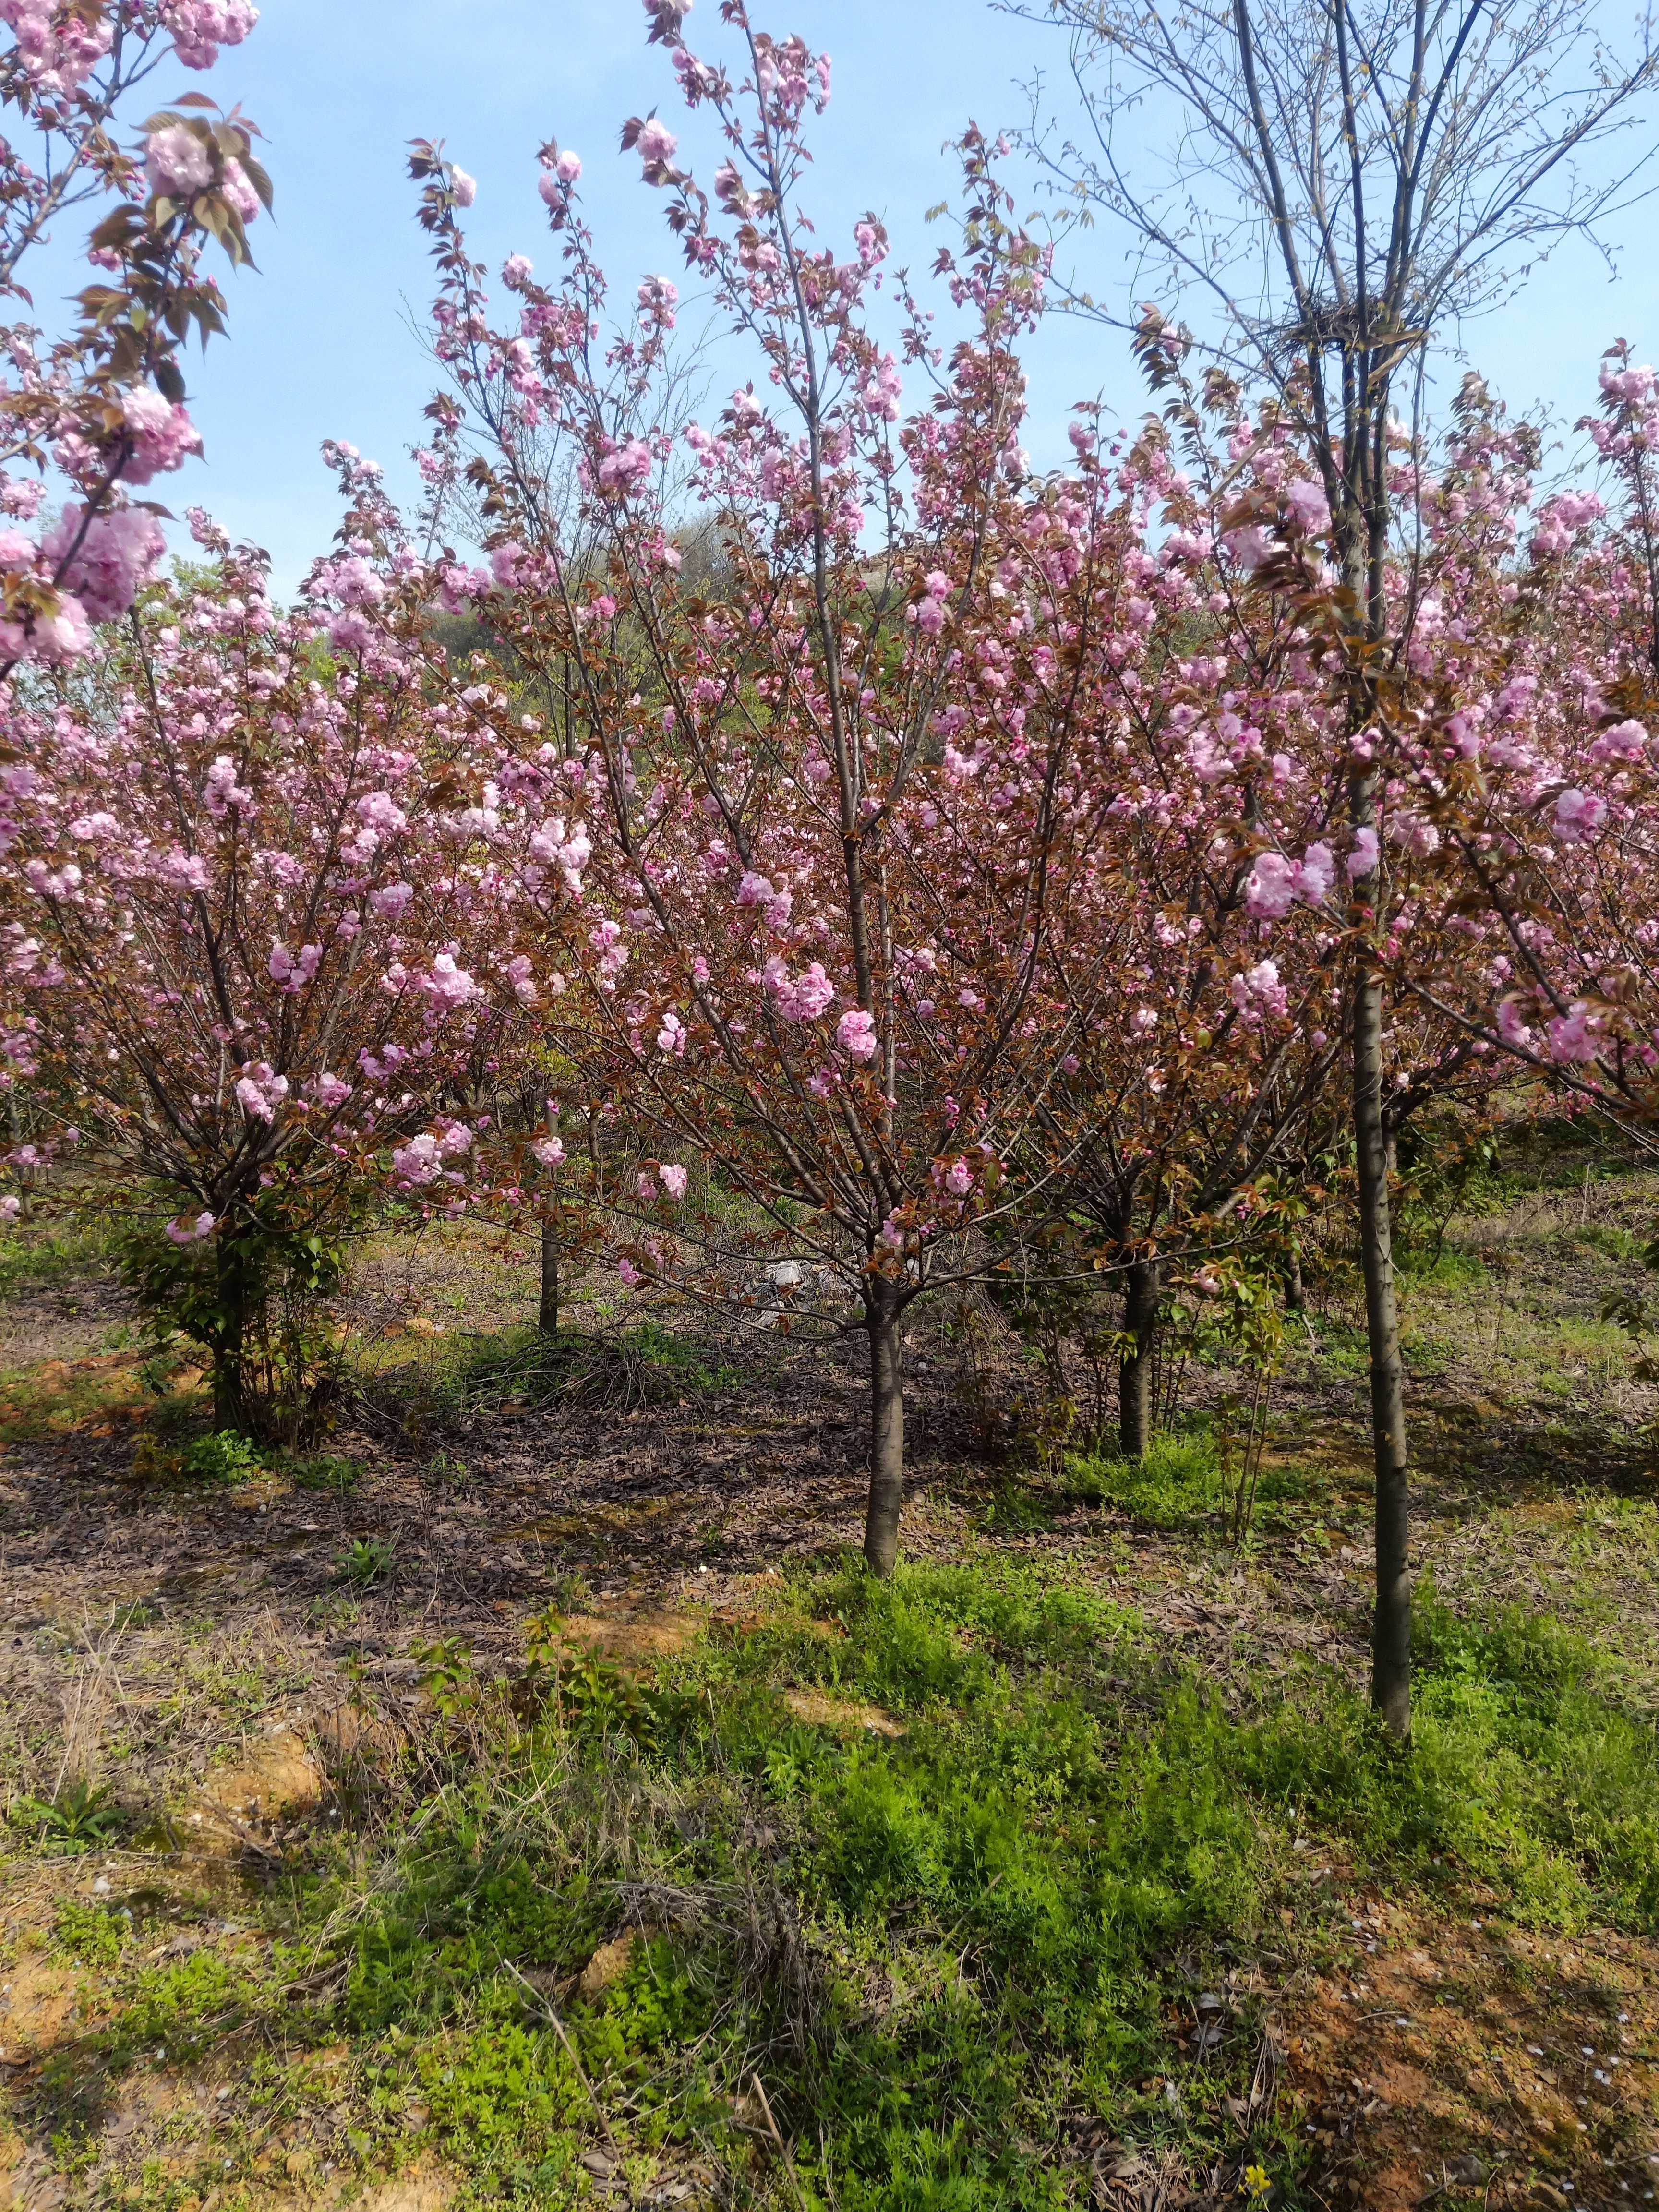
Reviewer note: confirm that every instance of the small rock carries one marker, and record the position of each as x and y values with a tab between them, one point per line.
608	1965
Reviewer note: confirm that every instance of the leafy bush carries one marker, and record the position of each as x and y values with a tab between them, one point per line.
647	1365
326	1471
223	1457
1177	1482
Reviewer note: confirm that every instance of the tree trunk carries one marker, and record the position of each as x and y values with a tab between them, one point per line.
230	1339
1391	1646
1134	1376
227	1409
1296	1290
881	1522
547	1318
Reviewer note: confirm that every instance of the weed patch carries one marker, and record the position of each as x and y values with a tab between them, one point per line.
611	1921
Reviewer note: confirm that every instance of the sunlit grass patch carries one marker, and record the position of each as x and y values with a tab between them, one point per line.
103	1393
937	1859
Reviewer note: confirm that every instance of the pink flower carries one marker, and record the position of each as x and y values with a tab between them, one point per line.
673	1181
177	162
464	189
620	471
179	1232
520	975
1270	887
1259	991
855	1033
630	1274
568	167
505	563
261	1093
118	553
1251	546
162	436
11	1205
221	791
646	1185
1577	814
1511	1027
1362	859
293	970
241	190
656	143
200	27
803	999
549	1151
1309	508
1623	741
448	986
1315	872
1575	1035
419	1161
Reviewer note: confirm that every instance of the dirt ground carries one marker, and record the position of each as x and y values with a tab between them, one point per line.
201	1644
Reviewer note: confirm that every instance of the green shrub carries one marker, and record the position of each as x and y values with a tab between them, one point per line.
326	1471
1177	1483
223	1457
367	1560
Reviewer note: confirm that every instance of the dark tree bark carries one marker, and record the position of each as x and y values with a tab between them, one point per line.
230	1339
547	1316
1134	1379
881	1524
1391	1644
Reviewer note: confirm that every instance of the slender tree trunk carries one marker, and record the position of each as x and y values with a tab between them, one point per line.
881	1522
547	1318
1134	1376
1391	1646
1296	1290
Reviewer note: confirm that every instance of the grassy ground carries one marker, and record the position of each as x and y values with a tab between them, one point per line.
1068	1870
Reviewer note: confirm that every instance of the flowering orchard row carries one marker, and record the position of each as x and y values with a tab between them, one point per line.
953	863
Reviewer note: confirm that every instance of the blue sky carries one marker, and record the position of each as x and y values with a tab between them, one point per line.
320	345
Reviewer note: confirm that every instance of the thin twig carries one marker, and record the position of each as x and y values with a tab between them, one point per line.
551	2017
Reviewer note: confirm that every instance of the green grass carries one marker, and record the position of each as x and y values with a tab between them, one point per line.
929	1946
1179	1485
50	1252
615	1370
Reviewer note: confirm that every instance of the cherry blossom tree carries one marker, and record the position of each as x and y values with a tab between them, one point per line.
1528	758
258	961
1343	181
103	403
831	801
